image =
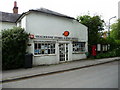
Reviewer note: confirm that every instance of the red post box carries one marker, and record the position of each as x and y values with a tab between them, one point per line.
93	50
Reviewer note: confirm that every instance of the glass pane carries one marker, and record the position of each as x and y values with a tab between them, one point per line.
52	51
42	46
42	51
39	51
36	51
46	46
78	47
53	45
35	45
39	46
46	51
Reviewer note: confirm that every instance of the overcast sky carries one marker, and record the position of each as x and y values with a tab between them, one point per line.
73	8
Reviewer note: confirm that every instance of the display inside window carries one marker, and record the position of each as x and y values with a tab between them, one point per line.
78	47
44	48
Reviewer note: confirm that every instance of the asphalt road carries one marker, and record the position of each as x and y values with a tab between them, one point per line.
101	76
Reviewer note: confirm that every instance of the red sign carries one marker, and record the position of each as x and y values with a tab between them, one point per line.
31	36
66	33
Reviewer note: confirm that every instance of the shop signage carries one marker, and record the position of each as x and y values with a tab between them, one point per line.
66	33
56	38
31	36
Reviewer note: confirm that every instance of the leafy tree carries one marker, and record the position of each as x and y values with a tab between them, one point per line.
14	44
115	32
118	28
95	25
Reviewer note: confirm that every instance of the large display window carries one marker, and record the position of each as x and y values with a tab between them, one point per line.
41	48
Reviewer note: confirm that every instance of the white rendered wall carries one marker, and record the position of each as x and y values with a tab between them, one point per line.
22	23
48	25
7	25
78	56
45	60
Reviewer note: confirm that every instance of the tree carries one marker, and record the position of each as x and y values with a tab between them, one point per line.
14	44
115	32
118	28
95	25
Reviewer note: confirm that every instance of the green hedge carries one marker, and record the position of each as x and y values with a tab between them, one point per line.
14	44
113	53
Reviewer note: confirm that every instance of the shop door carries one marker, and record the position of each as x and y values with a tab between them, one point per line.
63	52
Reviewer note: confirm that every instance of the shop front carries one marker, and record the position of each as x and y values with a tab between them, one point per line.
54	38
54	49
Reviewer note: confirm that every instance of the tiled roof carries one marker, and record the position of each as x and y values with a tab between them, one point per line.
11	17
47	11
8	17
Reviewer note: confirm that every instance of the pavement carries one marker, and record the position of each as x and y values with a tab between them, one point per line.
11	75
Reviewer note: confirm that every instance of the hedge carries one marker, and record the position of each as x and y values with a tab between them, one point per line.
113	53
14	44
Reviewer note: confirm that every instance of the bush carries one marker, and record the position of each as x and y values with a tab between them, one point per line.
113	53
14	44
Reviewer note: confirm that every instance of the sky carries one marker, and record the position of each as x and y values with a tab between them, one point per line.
105	8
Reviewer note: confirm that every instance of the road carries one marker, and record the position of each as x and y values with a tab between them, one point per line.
101	76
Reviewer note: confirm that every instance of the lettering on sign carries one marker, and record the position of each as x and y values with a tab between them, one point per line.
56	38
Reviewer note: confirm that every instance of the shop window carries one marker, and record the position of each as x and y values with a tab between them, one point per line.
42	48
78	47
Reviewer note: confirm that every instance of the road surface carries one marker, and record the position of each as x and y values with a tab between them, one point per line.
101	76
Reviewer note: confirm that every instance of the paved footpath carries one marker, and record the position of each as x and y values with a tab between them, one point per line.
44	70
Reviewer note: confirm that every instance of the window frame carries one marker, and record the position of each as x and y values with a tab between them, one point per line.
78	47
43	48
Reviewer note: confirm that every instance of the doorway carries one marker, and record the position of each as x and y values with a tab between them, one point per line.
63	52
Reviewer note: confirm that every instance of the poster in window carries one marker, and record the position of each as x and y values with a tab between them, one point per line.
46	51
42	47
39	51
36	51
46	47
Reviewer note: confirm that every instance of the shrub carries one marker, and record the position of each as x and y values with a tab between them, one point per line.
14	44
113	53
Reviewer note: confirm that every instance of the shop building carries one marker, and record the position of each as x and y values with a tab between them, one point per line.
54	37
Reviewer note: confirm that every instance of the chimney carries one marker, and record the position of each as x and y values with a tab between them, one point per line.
15	8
